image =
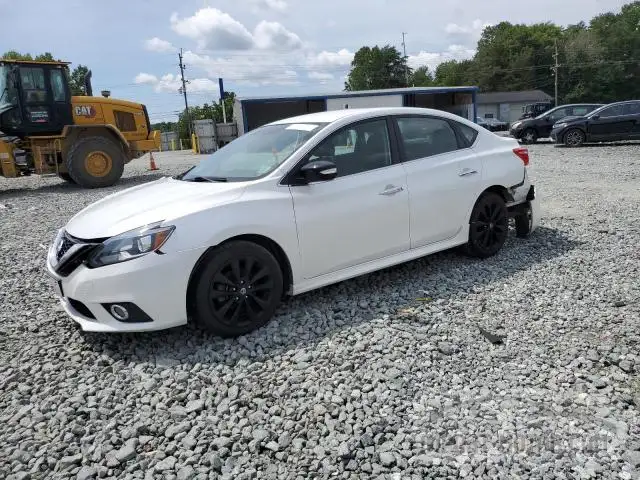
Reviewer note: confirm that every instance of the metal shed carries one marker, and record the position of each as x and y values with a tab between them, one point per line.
252	112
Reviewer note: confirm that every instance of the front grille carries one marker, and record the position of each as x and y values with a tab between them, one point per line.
66	243
69	260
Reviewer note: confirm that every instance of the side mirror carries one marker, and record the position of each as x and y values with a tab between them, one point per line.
595	117
319	171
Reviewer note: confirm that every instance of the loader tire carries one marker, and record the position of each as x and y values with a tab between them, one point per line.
95	162
66	177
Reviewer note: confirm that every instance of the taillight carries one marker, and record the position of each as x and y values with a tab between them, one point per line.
523	153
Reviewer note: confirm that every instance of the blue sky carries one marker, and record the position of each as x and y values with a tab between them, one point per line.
257	46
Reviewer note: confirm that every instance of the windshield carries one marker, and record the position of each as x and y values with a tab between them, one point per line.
254	154
7	90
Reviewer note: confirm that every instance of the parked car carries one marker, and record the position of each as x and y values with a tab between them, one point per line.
492	124
531	129
609	123
350	192
481	121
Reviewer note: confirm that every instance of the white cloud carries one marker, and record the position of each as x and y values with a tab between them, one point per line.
246	70
277	5
171	83
468	34
433	59
156	44
273	36
213	29
323	77
145	79
342	58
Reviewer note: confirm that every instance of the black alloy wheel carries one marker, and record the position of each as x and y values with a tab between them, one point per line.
488	226
529	136
574	137
238	289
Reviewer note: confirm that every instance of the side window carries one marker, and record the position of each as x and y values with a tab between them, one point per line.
424	137
611	111
631	108
558	114
468	134
57	86
580	111
33	85
354	149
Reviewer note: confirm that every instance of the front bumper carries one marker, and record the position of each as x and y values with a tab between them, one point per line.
156	284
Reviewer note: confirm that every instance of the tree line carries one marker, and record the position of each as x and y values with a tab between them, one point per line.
599	61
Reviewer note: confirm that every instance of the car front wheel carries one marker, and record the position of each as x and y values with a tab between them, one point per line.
529	136
488	226
238	288
574	137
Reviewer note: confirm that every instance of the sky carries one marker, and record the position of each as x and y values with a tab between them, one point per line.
258	47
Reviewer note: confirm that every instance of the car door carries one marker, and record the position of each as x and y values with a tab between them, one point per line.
443	176
609	124
363	213
547	121
632	109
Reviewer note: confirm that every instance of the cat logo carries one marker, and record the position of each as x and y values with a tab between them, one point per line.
85	111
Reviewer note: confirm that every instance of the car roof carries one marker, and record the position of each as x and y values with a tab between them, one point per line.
357	113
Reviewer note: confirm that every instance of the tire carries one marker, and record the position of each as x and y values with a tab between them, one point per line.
529	136
255	275
574	137
66	177
95	162
488	226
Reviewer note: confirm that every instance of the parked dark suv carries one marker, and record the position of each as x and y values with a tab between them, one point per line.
610	123
531	129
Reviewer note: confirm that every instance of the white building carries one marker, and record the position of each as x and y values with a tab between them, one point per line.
507	106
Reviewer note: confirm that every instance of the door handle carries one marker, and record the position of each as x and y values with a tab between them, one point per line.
391	190
467	171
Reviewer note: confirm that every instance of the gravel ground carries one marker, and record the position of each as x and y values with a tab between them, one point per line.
387	376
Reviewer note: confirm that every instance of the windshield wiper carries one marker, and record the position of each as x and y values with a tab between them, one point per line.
206	179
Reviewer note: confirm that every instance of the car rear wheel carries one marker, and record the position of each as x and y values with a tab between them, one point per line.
529	136
574	137
488	226
238	289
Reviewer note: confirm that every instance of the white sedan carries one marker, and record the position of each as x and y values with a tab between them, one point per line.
287	208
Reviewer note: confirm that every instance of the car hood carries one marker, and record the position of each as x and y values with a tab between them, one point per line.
162	200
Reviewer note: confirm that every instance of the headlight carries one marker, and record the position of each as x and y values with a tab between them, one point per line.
560	125
130	245
516	125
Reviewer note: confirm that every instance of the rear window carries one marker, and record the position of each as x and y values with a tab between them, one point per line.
631	108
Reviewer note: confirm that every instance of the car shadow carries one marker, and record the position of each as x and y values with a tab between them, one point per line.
601	144
351	305
64	187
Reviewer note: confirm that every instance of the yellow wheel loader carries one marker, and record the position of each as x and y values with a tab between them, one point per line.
85	140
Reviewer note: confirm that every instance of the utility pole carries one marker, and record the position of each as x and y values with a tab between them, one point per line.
184	92
404	50
555	72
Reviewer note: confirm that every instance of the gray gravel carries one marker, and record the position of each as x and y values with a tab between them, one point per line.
386	376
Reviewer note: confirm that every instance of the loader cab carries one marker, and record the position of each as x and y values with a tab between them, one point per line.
35	98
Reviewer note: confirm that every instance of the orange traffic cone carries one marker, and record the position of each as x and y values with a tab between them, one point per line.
152	162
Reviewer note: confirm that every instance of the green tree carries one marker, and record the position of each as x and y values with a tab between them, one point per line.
76	81
453	73
375	67
43	57
422	77
206	111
